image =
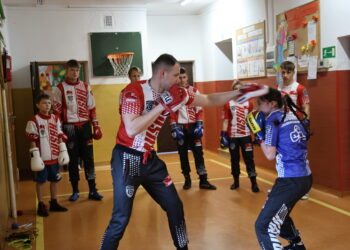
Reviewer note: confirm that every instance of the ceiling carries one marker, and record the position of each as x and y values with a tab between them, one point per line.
156	7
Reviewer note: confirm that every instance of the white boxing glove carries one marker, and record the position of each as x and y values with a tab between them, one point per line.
63	157
36	163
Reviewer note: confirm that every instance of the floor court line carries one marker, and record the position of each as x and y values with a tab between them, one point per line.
321	203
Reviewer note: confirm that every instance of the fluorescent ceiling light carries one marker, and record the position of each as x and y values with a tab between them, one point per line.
185	2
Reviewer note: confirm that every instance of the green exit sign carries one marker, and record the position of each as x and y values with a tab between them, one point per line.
328	52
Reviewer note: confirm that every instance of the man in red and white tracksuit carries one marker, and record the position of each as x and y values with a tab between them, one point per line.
144	109
187	130
235	135
74	102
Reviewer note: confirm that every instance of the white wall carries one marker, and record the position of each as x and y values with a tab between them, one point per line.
176	35
219	22
57	34
60	34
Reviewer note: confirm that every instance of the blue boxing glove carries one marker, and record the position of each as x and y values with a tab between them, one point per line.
256	123
198	130
224	142
176	132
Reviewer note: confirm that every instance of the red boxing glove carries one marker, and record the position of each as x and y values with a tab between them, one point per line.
251	90
97	132
174	98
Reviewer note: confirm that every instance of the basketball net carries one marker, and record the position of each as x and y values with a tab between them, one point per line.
121	63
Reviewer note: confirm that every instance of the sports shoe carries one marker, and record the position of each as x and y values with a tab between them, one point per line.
42	210
95	196
295	246
74	197
235	185
255	188
204	183
305	197
187	184
54	206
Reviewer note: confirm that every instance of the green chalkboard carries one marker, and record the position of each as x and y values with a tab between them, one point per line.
104	43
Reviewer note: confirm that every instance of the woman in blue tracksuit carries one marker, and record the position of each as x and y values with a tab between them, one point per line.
283	137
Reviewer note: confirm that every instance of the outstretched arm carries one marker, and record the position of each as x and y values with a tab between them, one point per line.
245	93
216	99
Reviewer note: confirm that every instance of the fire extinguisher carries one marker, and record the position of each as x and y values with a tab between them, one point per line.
7	67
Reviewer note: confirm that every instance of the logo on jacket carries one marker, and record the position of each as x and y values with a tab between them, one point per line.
297	135
69	95
129	190
149	105
42	130
167	181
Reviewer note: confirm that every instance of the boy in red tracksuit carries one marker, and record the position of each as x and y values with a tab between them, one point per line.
74	102
187	130
47	151
235	135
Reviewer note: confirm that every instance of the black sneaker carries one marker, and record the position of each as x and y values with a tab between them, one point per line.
188	183
295	246
206	185
95	196
42	210
235	185
54	206
255	188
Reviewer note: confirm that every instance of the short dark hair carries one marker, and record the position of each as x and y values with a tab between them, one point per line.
134	68
41	96
288	65
73	64
163	61
273	95
235	83
183	70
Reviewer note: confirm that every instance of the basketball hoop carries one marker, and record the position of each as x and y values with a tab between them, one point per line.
121	62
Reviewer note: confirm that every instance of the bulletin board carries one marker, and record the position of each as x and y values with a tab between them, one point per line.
104	43
250	46
298	34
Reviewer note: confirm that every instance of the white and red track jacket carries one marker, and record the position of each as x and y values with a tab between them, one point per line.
139	98
297	92
45	131
188	114
74	102
236	114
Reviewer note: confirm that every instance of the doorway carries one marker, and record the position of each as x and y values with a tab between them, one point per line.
165	143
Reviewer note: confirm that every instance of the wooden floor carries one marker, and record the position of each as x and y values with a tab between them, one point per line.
216	220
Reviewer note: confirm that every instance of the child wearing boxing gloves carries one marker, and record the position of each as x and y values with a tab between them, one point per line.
74	103
283	136
48	151
235	136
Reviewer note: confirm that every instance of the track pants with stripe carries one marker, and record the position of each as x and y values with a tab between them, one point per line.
128	173
274	219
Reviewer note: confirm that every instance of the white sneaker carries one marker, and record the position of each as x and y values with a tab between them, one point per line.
305	197
268	191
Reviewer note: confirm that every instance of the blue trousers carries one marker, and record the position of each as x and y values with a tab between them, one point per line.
128	174
274	220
